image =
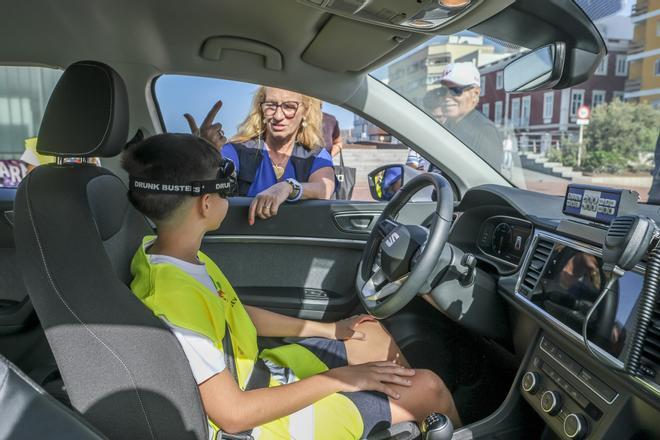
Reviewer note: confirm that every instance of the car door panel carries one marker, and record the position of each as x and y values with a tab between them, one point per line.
303	261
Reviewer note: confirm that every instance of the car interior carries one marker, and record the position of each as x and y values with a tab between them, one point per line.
83	358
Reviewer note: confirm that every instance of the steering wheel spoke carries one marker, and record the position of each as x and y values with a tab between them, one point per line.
377	287
385	226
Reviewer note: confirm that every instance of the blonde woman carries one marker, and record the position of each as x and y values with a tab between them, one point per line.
277	151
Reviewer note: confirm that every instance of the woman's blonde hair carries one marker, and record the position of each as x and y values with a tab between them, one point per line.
309	136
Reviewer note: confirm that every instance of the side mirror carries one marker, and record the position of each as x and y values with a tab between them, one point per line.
385	181
539	69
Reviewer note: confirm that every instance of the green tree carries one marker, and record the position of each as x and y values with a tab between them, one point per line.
619	131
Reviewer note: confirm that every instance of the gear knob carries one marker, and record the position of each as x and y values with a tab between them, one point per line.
437	426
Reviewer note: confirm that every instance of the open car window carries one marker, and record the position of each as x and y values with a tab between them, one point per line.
365	146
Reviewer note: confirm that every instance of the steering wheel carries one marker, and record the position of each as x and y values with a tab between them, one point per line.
399	259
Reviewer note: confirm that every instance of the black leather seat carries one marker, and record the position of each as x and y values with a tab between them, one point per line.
28	412
75	235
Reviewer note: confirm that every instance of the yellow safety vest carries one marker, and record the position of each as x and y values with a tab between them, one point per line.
185	302
31	145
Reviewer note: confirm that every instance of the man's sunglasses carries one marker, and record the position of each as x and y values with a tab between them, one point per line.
225	184
455	91
434	98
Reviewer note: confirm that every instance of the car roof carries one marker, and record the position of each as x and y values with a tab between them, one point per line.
320	52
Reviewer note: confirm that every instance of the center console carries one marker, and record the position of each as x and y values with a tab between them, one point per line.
569	397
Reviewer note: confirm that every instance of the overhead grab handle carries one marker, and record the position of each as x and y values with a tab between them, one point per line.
213	47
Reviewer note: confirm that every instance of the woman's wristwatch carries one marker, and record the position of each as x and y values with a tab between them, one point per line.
296	190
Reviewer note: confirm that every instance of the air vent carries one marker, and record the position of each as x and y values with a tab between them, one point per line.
651	349
540	256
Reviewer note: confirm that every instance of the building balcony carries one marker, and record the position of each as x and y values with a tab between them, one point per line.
642	7
635	47
632	85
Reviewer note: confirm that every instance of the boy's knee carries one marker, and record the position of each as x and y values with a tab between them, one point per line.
432	382
434	388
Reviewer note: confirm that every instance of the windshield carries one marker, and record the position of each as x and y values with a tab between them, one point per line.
601	132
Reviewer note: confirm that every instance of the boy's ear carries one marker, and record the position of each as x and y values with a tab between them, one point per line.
204	204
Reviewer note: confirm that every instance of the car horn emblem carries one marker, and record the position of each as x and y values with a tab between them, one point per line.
389	241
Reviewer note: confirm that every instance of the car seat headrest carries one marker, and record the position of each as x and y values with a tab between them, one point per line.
87	114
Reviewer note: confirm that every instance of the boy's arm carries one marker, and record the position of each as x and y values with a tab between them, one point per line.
235	410
273	324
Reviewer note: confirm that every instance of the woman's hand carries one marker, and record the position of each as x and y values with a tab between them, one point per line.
374	376
209	131
346	328
267	202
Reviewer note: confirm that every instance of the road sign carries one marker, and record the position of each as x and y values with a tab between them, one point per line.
583	112
582	121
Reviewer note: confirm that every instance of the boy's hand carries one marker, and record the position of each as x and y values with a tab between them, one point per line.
374	376
267	202
209	131
346	328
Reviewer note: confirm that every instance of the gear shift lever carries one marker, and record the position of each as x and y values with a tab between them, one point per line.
437	426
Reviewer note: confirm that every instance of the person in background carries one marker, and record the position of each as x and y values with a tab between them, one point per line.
278	150
414	159
654	191
457	99
30	156
332	140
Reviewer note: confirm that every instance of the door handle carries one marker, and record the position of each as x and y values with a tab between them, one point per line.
356	222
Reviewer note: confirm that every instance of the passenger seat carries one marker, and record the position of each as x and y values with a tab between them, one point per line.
28	412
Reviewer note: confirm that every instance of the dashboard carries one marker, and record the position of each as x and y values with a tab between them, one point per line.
504	238
544	254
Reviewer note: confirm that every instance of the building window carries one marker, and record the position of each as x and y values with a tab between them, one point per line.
617	95
482	87
602	67
498	112
499	80
526	111
515	112
657	67
485	109
577	99
432	79
657	28
548	106
597	98
621	65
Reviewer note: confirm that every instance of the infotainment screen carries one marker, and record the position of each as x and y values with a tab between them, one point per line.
569	285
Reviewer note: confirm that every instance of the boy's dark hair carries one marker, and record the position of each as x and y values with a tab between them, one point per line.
171	157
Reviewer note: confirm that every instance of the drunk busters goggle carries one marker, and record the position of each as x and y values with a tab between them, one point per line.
224	184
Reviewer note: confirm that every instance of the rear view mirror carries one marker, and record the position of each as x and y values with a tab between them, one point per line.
385	181
539	69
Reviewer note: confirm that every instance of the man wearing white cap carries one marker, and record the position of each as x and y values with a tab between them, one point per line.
457	100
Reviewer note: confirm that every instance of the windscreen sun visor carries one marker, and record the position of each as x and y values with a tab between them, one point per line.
225	184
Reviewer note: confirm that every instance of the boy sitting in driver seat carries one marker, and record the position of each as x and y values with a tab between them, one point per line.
342	380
